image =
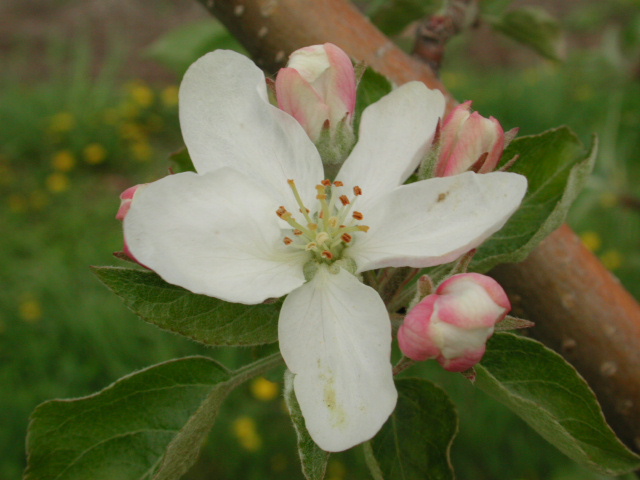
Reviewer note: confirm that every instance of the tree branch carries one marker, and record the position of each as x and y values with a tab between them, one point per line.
579	308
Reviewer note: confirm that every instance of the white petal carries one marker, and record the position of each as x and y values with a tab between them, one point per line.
215	234
395	133
335	335
226	120
435	221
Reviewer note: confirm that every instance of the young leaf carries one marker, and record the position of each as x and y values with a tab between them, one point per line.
205	319
312	458
184	45
556	166
416	440
534	28
371	88
147	425
393	16
548	393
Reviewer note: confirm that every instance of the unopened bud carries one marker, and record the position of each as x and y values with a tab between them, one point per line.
453	324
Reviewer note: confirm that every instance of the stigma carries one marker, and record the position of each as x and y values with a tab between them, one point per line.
330	228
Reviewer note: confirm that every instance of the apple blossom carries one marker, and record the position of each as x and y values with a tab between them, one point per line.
259	220
318	88
469	141
453	324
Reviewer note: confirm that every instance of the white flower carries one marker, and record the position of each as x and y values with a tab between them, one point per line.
217	232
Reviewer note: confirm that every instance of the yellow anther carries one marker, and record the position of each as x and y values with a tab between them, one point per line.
312	226
321	196
363	228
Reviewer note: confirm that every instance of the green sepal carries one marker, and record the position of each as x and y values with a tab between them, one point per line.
205	319
313	459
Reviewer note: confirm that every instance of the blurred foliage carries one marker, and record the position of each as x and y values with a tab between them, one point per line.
73	141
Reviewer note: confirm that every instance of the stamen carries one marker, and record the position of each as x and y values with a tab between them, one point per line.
344	199
327	254
358	215
297	232
321	196
338	184
363	228
326	182
312	226
288	241
346	237
357	190
282	213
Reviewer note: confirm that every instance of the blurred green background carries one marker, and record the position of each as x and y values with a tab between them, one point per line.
88	107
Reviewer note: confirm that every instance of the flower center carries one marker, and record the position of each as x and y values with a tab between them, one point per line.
328	231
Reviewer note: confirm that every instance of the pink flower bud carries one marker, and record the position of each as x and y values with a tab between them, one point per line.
469	141
318	87
453	324
126	198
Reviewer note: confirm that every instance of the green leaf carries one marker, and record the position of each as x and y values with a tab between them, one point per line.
312	458
205	319
548	393
184	45
181	161
416	440
393	16
147	425
557	167
533	27
371	88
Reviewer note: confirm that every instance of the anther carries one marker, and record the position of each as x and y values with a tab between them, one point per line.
357	190
344	199
326	182
363	228
358	215
321	196
287	241
338	184
327	254
297	232
346	238
282	213
312	226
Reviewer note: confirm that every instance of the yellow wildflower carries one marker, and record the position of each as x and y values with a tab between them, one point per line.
612	259
57	182
62	122
170	96
94	153
591	240
141	151
264	390
63	161
30	310
141	94
245	430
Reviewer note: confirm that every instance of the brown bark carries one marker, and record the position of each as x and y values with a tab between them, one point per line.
579	307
